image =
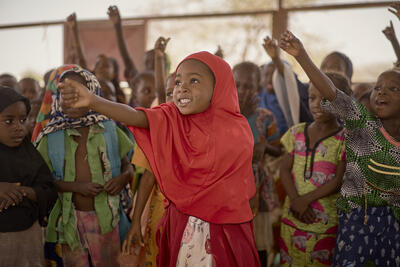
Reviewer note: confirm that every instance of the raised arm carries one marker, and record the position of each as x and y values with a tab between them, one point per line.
272	49
113	14
294	47
76	41
159	50
76	95
391	36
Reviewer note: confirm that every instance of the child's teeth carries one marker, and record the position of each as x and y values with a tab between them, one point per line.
183	101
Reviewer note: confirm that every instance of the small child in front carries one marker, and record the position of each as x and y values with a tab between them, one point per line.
27	191
86	153
200	150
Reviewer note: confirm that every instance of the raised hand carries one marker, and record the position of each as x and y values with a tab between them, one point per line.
133	239
389	32
219	52
88	189
160	46
71	21
271	47
74	94
395	9
291	44
113	14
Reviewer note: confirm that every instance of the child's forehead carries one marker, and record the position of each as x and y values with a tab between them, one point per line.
13	109
389	76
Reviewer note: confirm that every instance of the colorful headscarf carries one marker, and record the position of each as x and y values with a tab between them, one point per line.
51	117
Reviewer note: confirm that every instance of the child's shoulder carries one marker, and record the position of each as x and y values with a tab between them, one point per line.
298	128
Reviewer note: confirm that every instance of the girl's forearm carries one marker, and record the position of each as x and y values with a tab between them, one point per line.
159	78
145	187
317	77
286	176
119	112
325	190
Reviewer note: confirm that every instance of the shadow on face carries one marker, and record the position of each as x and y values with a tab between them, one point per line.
70	111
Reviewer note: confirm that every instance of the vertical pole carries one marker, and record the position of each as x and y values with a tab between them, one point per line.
279	21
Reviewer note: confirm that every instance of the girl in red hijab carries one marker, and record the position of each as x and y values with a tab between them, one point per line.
200	150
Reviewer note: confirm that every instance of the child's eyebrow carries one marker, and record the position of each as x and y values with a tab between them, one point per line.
190	73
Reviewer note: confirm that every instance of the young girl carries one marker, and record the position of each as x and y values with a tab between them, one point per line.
200	150
311	173
369	206
27	192
87	154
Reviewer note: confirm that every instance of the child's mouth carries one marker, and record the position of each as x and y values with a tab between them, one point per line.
183	102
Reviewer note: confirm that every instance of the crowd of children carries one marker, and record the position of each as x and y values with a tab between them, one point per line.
205	166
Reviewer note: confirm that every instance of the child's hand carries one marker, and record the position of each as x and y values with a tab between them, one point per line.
298	206
89	189
291	44
271	47
113	14
74	94
133	239
115	185
389	32
71	20
10	195
219	52
309	216
248	102
395	9
160	46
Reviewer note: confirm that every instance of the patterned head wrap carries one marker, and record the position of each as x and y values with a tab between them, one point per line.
55	119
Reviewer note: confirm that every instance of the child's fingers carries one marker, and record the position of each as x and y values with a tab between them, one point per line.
391	24
15	198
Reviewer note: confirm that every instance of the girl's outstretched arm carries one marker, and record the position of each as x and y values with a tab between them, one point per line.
294	47
76	95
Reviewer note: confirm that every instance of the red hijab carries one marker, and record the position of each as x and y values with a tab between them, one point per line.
202	162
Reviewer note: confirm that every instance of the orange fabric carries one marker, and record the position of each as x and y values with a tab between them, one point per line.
140	160
202	162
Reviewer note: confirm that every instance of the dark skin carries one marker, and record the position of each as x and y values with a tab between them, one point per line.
384	98
247	86
83	188
144	92
391	36
114	16
159	50
73	25
12	133
30	88
324	124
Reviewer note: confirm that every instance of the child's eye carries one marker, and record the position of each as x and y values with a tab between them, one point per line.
23	120
169	94
8	121
377	88
394	89
177	82
193	80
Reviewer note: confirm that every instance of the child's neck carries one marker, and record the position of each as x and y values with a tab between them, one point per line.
392	127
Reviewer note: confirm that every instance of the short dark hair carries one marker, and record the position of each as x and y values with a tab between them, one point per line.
248	66
347	61
341	82
140	76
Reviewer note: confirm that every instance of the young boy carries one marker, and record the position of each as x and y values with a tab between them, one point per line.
86	153
27	192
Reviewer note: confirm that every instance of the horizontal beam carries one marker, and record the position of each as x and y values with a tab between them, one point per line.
219	15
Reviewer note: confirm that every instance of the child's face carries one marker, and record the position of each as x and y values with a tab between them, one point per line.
314	102
360	89
385	97
12	124
103	68
144	92
194	86
334	63
169	90
71	112
266	78
29	88
246	84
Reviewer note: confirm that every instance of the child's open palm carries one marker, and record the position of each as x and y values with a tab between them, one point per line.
291	44
271	47
113	14
74	94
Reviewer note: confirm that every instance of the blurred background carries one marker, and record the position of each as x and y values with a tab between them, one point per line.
352	27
